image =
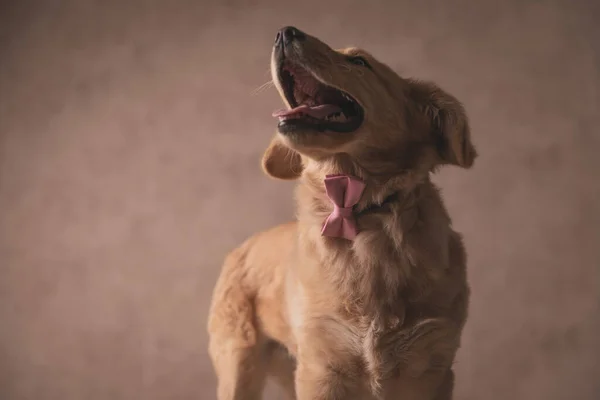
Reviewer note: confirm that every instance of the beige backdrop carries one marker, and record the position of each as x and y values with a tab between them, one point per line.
131	134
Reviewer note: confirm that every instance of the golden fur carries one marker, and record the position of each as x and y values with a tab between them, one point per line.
379	317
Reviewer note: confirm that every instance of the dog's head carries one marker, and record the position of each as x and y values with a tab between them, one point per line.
344	104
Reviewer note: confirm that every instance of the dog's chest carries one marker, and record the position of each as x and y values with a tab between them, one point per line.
295	304
378	350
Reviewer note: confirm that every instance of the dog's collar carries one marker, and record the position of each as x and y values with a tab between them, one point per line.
344	192
373	207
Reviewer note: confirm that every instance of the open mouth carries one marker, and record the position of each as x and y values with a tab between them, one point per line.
315	106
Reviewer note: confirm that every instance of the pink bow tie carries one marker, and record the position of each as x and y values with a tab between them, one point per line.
344	192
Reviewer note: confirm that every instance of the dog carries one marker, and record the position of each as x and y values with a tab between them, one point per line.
365	294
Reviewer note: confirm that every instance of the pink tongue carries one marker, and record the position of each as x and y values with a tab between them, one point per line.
316	112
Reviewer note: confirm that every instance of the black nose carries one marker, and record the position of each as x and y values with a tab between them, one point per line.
288	34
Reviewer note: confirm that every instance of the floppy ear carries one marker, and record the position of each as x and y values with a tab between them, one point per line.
449	122
281	162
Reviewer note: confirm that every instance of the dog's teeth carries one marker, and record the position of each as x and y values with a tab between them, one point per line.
336	117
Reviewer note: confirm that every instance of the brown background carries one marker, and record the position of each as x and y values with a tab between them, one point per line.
130	140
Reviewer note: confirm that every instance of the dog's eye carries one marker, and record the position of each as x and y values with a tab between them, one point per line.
358	60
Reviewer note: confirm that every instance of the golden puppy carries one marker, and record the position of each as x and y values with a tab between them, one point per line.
365	295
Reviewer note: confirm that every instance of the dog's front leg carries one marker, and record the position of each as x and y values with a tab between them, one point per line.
316	381
240	372
436	385
236	347
328	361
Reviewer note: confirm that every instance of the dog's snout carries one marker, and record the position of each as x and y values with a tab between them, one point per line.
289	34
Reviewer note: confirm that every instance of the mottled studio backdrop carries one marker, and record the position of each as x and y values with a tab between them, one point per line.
130	138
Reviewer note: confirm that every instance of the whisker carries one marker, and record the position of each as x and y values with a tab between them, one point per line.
262	87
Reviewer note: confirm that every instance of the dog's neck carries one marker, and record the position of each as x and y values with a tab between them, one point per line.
399	219
379	190
384	216
379	195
